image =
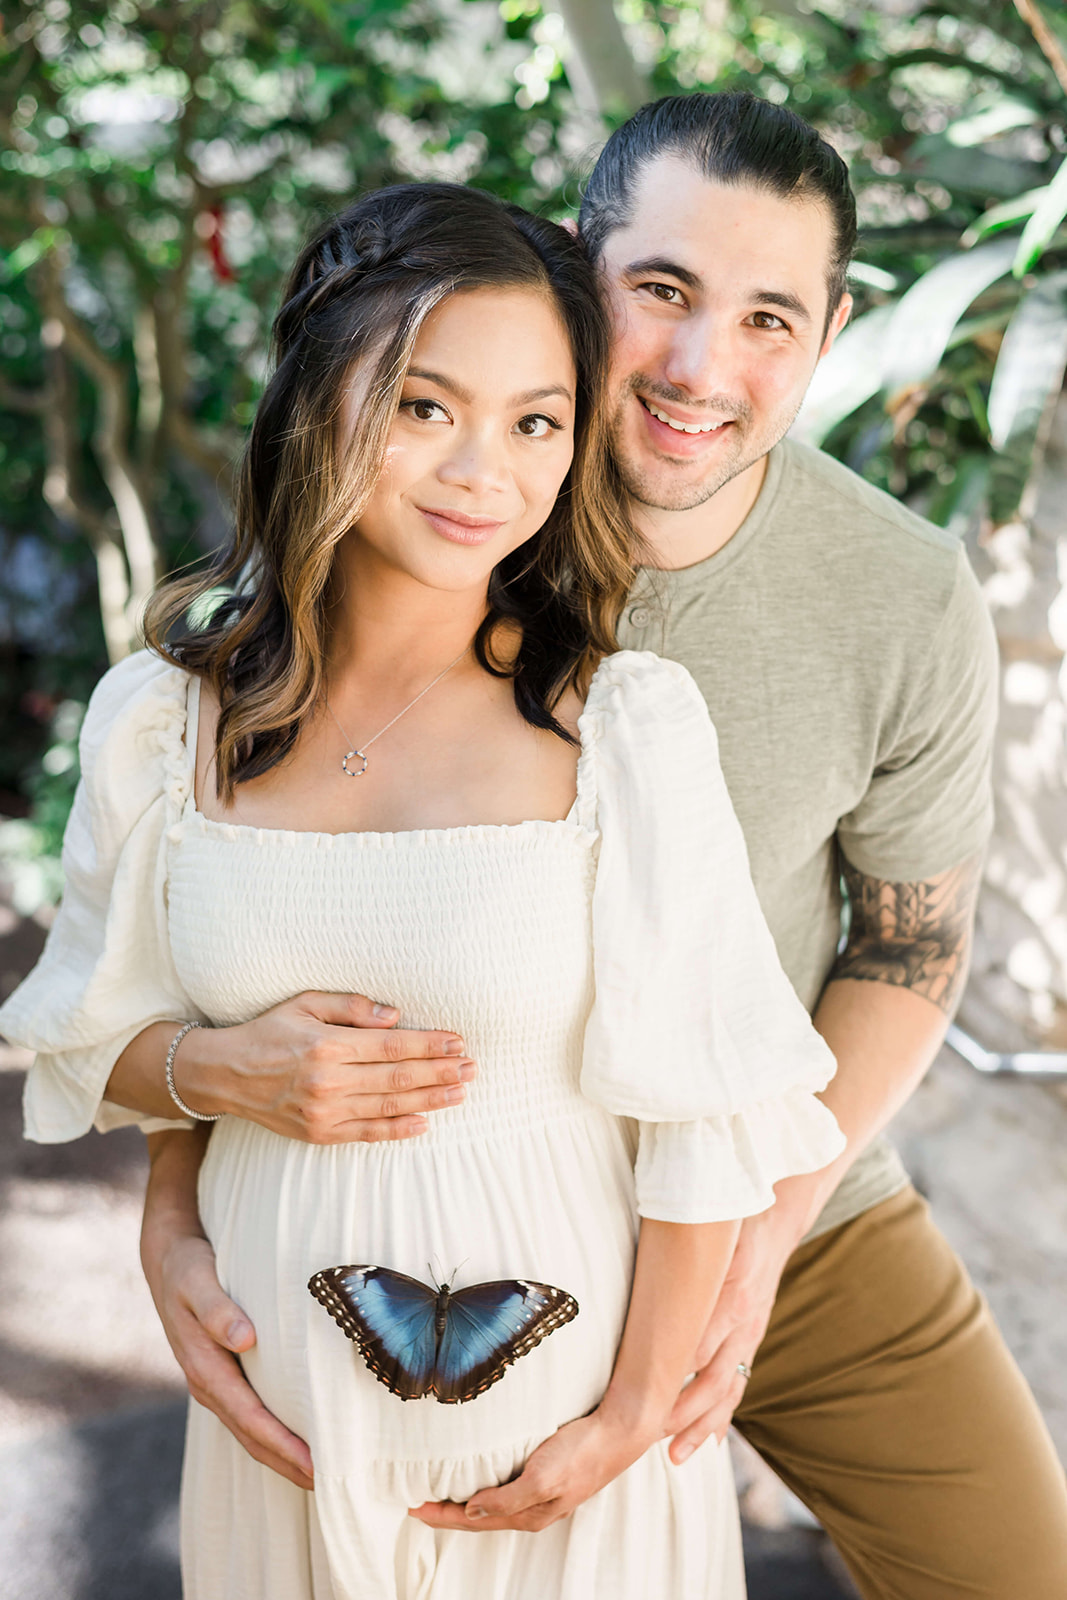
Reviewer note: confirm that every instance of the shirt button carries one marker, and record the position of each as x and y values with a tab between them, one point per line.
640	616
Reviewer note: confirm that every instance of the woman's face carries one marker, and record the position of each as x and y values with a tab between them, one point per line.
481	442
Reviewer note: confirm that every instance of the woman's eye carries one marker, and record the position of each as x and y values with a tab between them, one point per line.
536	426
665	292
424	410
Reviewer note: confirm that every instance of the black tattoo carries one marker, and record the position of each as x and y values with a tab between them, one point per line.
914	935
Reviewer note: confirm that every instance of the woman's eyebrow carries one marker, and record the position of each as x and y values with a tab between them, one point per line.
665	268
465	395
442	382
540	394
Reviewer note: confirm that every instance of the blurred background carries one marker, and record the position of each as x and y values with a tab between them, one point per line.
159	165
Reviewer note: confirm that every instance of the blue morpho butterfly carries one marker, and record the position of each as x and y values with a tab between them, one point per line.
452	1344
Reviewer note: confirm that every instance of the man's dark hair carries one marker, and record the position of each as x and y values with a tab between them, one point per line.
732	138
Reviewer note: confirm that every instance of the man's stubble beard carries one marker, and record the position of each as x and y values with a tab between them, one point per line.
659	494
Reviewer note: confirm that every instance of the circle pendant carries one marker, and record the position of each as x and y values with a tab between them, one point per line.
354	772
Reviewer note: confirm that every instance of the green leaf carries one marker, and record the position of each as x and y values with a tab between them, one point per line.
1000	116
1046	218
846	378
1005	215
1031	362
1029	372
924	319
873	277
969	172
27	254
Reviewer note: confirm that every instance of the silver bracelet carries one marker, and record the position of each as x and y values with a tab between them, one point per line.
186	1111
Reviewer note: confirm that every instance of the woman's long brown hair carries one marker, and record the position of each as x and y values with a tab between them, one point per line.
354	304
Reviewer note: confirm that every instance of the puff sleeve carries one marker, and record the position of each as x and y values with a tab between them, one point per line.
695	1030
106	970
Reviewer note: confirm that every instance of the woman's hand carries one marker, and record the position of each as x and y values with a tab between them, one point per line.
326	1069
321	1068
572	1464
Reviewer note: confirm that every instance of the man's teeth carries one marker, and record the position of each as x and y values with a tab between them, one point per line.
684	427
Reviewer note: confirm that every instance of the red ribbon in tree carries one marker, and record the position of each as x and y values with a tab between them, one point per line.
211	232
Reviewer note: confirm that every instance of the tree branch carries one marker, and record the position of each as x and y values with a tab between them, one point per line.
63	495
109	437
1047	41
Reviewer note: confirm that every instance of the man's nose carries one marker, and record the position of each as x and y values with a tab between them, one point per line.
702	358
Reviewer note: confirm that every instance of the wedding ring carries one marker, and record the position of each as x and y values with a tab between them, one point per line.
746	1372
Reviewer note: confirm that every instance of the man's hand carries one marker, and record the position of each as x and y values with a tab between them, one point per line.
883	1014
733	1335
205	1328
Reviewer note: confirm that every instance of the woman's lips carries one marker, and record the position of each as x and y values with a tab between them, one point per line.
459	527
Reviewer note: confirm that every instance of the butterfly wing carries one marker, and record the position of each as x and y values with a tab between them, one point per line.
491	1325
390	1318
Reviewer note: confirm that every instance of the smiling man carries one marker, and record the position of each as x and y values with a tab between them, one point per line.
847	659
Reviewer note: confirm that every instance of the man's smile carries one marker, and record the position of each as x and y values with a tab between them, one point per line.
683	427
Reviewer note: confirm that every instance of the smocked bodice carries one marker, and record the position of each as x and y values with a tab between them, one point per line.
482	930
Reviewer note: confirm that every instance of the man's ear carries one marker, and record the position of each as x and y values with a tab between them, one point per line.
570	224
837	322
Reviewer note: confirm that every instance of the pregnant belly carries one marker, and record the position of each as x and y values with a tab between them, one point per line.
553	1203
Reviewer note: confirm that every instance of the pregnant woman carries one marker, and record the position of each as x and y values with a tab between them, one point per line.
386	745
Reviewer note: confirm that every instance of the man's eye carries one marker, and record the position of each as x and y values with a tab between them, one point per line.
536	426
424	410
767	319
665	292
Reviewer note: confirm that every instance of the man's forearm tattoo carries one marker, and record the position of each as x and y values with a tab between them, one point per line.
915	935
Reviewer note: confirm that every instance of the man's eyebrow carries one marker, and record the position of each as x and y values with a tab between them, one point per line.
452	387
783	299
663	267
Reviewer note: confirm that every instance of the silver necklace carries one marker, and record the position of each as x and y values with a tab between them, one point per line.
359	753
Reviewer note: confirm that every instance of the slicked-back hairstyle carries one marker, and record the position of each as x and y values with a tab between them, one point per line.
731	138
352	310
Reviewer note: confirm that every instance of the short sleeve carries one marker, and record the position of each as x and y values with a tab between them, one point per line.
929	804
106	971
695	1030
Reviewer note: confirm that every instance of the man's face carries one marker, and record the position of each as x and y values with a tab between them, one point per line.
718	296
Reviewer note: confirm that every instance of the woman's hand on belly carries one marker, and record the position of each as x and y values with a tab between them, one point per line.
324	1069
574	1463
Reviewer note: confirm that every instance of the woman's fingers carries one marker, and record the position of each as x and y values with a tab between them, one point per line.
348	1010
446	1514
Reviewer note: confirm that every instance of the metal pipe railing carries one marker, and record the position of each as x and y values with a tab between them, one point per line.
1023	1063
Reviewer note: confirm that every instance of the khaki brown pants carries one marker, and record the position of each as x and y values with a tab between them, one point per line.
884	1396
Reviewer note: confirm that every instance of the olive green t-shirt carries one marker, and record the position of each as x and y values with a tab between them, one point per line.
849	664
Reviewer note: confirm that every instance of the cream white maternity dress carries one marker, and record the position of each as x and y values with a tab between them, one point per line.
640	1052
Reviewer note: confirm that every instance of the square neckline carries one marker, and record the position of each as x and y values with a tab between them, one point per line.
192	811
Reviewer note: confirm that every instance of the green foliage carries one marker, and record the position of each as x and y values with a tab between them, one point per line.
160	163
955	129
159	166
30	846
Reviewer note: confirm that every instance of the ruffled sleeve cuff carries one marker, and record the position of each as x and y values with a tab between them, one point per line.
106	971
723	1167
63	1095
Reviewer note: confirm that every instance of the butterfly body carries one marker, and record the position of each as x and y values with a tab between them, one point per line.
452	1344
